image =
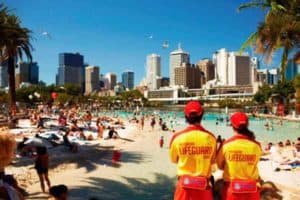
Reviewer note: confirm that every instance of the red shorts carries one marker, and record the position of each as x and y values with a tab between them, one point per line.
192	194
227	195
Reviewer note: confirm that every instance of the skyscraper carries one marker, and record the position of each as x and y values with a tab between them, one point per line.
111	80
27	73
208	68
239	72
188	75
128	79
3	75
177	57
153	71
91	79
220	59
273	76
71	69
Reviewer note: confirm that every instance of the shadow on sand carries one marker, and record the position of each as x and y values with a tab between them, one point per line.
140	189
88	157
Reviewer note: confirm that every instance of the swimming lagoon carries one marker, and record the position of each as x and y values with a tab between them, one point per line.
218	125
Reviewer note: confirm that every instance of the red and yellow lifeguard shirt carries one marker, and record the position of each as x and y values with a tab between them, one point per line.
194	150
238	157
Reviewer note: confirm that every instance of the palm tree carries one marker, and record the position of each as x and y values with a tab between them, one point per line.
14	42
280	30
296	82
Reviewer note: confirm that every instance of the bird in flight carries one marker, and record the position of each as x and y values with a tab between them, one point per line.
45	33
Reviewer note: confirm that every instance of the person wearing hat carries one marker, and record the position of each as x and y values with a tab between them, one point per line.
193	150
238	157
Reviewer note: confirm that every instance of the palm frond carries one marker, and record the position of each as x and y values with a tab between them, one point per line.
251	39
262	4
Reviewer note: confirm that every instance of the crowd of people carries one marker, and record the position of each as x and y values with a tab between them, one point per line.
284	155
194	150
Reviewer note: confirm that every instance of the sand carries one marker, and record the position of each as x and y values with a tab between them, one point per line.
144	173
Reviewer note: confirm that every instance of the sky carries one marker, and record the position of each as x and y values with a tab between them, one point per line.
114	34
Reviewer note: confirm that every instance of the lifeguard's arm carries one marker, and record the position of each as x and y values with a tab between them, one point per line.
220	159
213	159
173	153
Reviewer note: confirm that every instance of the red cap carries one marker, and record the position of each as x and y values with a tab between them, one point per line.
239	118
193	107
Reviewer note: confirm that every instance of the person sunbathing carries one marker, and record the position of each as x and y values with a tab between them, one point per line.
113	133
100	128
282	157
297	152
88	119
72	146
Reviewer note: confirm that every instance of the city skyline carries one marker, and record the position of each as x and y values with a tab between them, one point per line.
107	32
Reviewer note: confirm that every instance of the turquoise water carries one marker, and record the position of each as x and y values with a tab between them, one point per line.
175	120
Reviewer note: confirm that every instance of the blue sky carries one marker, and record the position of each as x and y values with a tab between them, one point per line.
113	34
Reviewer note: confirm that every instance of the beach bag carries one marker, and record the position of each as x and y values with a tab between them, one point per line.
193	182
243	186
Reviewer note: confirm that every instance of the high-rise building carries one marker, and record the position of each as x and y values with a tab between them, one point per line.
128	79
267	76
91	79
292	69
177	57
103	82
220	59
71	69
208	69
119	88
3	75
188	75
254	66
111	80
254	62
153	71
273	76
239	72
27	73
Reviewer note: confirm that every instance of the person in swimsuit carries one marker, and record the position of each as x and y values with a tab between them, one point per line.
41	166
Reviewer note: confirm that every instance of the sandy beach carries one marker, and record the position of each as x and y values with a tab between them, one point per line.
144	171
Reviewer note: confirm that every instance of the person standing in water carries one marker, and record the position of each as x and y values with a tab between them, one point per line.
238	157
194	151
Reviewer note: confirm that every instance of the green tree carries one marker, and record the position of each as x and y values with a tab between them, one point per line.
263	94
279	31
14	43
72	89
284	89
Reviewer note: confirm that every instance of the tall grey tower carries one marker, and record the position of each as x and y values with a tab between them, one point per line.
71	69
177	57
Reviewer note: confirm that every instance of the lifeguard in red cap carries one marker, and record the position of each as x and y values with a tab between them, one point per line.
194	151
238	157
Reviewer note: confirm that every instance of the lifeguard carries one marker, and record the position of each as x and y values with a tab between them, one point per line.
238	157
193	150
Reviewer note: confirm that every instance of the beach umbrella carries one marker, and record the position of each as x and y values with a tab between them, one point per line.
37	142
